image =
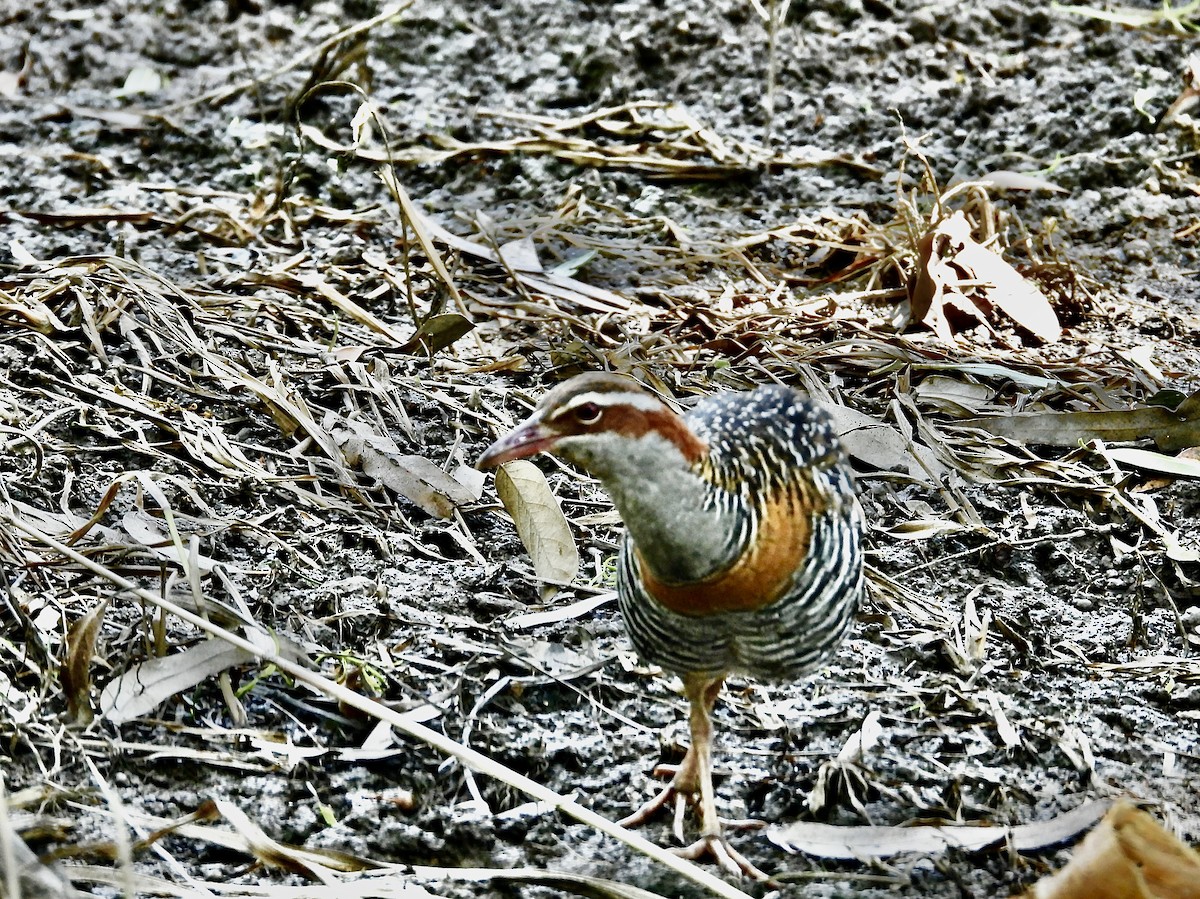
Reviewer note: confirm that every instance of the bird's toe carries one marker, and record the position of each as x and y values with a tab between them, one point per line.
716	847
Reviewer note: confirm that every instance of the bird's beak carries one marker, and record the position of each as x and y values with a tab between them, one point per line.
528	438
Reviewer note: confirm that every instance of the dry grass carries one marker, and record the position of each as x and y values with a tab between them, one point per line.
151	421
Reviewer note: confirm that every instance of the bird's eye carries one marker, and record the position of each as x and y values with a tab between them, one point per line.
587	414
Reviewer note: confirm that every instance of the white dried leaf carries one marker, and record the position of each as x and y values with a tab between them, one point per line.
521	255
832	841
142	688
922	528
1175	466
1006	288
1007	180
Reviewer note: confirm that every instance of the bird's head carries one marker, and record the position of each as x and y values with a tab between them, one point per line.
594	419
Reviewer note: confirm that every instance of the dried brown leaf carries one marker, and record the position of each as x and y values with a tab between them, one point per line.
922	528
882	446
1171	430
1129	856
596	299
76	670
74	216
413	477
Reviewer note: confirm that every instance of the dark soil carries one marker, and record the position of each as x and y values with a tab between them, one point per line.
1079	594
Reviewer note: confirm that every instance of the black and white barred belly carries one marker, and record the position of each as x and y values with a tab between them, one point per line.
788	638
762	442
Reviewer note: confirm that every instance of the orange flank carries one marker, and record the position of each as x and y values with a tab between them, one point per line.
762	574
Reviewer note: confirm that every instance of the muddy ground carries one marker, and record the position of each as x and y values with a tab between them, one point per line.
226	216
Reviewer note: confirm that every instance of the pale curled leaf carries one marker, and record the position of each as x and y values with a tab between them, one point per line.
1004	727
558	613
144	687
832	841
140	80
954	270
952	395
862	740
539	521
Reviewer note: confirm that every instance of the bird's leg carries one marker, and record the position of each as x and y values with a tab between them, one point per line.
693	783
701	691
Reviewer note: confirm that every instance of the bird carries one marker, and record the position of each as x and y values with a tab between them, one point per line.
742	551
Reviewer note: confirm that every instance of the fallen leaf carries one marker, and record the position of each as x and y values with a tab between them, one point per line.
73	216
922	528
1006	180
952	396
559	613
831	841
955	272
144	687
1177	466
76	670
413	477
521	255
1170	429
883	446
437	332
1129	856
539	521
140	80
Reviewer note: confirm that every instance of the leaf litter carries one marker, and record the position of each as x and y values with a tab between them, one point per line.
237	399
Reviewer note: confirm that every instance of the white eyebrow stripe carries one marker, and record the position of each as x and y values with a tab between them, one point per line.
642	401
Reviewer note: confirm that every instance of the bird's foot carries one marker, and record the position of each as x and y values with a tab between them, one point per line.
679	794
685	790
716	847
652	807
